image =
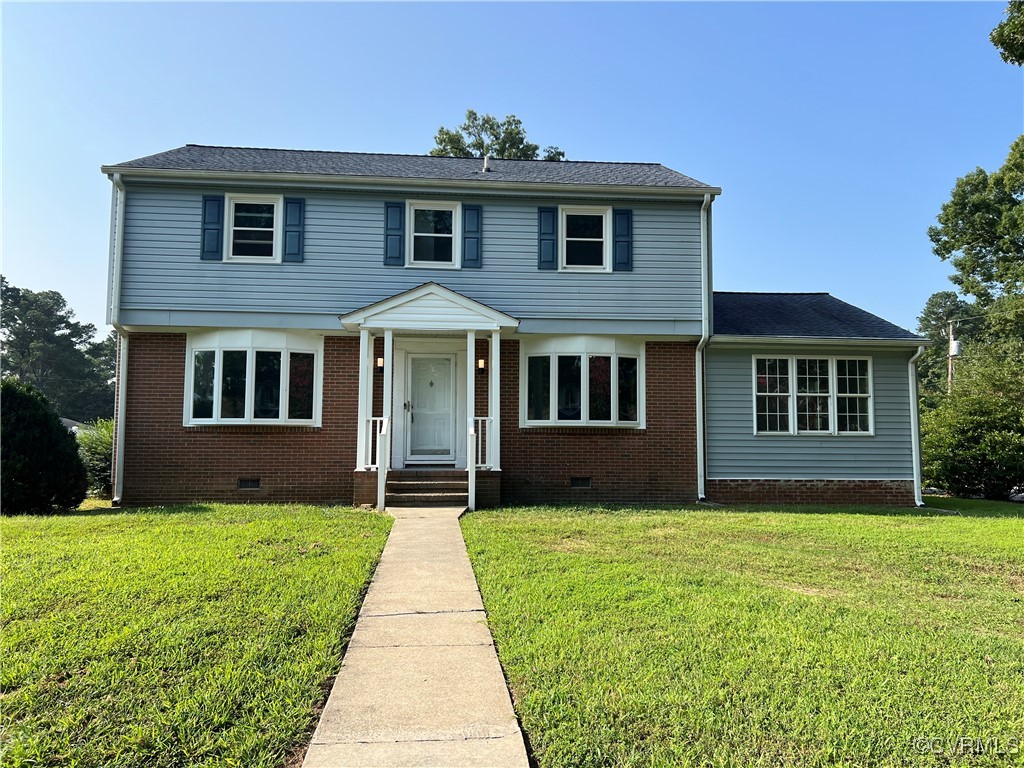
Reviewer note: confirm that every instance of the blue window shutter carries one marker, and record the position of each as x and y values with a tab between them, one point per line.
211	246
294	221
394	234
622	239
547	238
472	236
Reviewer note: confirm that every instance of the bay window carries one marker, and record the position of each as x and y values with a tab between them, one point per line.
582	381
253	377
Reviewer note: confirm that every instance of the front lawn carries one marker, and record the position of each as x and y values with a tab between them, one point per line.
199	635
758	637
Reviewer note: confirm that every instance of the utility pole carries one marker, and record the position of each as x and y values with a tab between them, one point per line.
954	351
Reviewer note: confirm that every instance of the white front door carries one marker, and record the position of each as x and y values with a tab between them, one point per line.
430	409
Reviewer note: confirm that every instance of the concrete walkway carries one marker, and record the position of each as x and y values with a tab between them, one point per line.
420	684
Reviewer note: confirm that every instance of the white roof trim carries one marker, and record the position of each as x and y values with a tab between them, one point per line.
430	307
721	340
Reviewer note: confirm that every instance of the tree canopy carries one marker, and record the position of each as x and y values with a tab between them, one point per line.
933	322
43	345
980	231
1008	36
485	135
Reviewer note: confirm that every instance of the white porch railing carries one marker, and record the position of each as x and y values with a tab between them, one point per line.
383	459
483	442
371	431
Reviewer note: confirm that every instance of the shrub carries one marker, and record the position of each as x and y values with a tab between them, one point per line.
95	445
973	441
40	469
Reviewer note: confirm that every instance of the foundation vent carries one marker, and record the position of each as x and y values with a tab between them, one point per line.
580	482
248	483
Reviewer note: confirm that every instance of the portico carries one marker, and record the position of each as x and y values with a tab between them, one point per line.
429	413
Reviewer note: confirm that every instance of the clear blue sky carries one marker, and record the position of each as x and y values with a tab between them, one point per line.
836	130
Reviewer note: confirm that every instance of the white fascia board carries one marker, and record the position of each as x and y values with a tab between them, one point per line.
403	184
812	341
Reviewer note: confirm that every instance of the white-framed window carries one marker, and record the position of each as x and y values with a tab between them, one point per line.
253	377
812	395
433	234
582	381
253	228
585	240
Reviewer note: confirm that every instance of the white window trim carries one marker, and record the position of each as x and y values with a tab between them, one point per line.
578	347
567	210
411	207
229	226
213	343
833	396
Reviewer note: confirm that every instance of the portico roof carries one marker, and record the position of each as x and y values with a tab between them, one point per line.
429	307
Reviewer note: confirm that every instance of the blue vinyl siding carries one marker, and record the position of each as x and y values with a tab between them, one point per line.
733	451
343	263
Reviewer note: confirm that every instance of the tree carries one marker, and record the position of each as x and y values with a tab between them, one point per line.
1008	36
981	233
933	322
973	442
40	469
45	346
485	135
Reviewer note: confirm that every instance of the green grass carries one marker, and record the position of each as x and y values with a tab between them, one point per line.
196	636
975	507
757	637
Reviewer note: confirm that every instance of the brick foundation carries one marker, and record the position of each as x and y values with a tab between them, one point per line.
892	493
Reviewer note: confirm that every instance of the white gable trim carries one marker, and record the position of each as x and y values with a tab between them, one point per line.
430	307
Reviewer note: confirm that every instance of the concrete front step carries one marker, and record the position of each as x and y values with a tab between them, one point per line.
426	499
427	486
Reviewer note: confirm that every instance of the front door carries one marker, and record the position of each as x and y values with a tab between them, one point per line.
430	409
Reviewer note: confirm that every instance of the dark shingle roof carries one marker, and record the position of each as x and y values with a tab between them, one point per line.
803	315
195	157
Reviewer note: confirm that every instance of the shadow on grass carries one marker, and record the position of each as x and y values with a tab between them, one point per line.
96	511
935	507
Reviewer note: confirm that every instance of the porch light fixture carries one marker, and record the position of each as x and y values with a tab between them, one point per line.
481	365
380	365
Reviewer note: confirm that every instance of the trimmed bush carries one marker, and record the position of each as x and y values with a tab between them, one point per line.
96	445
40	469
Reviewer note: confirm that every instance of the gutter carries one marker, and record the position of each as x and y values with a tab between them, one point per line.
705	337
116	249
122	395
397	184
915	424
810	341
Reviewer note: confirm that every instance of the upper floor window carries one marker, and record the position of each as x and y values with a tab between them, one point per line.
253	231
583	381
812	395
433	234
253	377
586	239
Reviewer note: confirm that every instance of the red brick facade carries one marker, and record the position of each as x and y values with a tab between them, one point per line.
656	464
892	493
166	462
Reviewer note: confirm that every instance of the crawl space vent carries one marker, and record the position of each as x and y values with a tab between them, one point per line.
248	483
579	482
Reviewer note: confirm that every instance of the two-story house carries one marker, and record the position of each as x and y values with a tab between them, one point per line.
371	328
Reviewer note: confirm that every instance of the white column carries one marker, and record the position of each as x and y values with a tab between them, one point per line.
471	457
362	413
389	349
494	407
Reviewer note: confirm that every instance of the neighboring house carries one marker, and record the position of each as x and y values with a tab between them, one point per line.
329	326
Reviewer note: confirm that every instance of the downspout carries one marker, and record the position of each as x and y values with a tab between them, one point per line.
122	394
705	336
113	317
915	425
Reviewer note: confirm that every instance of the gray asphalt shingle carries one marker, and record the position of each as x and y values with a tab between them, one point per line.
195	157
806	315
